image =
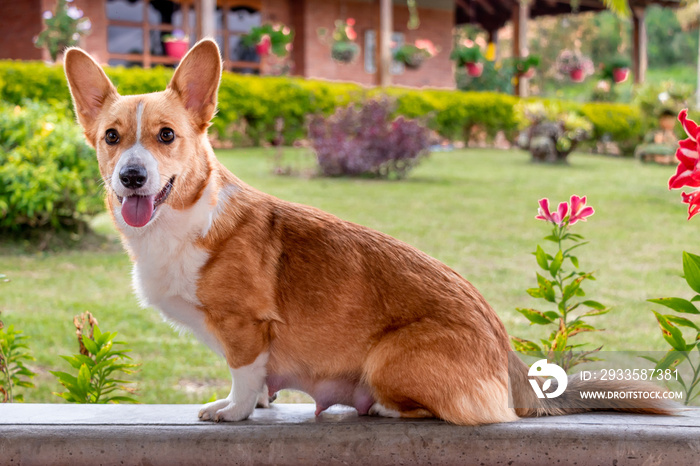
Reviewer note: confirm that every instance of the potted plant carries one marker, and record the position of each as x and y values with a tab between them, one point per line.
525	66
413	55
270	38
617	70
342	40
64	27
176	44
574	64
468	54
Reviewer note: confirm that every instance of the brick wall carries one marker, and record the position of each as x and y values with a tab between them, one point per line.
312	56
19	23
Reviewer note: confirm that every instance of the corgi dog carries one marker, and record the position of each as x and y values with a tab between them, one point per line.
290	296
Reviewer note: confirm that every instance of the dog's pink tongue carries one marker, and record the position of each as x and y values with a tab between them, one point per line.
137	210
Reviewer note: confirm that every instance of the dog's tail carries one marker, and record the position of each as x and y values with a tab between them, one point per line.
586	395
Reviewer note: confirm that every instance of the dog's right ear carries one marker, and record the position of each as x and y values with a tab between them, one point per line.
90	88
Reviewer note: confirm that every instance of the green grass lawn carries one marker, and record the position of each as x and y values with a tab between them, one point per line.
472	209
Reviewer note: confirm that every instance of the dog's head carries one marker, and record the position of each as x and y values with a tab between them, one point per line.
152	149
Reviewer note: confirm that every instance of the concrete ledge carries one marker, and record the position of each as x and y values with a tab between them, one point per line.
46	434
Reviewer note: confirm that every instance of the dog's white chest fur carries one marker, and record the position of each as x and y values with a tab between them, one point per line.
168	263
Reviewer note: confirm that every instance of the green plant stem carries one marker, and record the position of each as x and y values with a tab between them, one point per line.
6	373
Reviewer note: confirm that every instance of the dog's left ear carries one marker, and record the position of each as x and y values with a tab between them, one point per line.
196	81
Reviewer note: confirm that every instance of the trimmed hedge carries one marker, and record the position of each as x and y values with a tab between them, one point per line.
48	172
250	106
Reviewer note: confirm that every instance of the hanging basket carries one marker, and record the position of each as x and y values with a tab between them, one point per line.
474	69
176	48
344	52
577	75
620	74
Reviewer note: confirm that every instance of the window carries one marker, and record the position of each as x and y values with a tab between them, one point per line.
136	30
397	40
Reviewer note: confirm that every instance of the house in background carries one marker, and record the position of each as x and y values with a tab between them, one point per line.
130	32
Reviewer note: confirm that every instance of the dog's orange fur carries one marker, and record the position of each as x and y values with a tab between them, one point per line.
328	300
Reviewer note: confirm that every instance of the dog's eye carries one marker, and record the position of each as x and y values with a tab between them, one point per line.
111	137
166	135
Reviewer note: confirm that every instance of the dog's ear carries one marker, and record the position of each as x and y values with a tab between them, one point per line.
196	81
89	86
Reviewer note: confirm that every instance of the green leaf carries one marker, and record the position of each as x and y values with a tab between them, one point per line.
671	334
547	288
84	378
691	270
556	263
574	261
552	315
670	360
90	345
552	238
535	292
682	321
594	304
525	346
535	316
677	304
541	257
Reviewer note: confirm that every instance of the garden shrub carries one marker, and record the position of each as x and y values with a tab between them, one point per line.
250	106
49	174
363	140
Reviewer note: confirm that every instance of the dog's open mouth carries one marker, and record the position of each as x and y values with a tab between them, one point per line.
137	211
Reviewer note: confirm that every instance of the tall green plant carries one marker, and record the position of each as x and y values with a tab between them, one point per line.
560	286
97	365
14	355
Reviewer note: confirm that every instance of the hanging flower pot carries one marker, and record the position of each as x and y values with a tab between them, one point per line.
575	65
263	47
467	53
413	55
176	48
577	75
177	44
620	75
525	67
474	69
344	52
269	39
529	74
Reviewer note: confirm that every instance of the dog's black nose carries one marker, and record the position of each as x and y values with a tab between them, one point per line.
133	176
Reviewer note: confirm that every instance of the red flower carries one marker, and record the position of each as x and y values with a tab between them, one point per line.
688	172
579	209
693	201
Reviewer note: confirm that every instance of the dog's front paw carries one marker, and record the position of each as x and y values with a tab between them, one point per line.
231	412
209	410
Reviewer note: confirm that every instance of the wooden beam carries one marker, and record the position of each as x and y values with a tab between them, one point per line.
487	7
386	22
639	45
207	18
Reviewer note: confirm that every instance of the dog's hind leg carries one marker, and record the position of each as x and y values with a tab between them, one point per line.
427	370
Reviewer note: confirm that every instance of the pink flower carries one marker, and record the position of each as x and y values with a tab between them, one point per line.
554	217
426	45
579	209
350	21
687	173
350	32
